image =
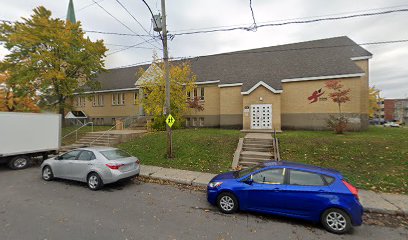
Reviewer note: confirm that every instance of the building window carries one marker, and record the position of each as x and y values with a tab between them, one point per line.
136	98
202	93
118	99
80	101
188	96
194	122
113	121
201	122
97	100
187	122
195	93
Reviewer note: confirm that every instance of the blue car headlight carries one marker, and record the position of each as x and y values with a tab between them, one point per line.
214	184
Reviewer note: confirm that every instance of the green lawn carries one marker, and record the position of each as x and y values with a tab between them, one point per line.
71	138
207	150
376	159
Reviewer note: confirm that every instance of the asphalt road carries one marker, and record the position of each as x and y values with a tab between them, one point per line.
31	208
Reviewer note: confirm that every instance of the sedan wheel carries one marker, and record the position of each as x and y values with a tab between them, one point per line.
47	174
227	203
94	182
336	221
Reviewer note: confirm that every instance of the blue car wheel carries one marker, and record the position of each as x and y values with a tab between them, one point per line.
227	203
336	221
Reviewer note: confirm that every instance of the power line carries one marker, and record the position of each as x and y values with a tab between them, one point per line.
135	20
293	22
253	27
290	19
133	17
91	4
128	47
269	51
88	31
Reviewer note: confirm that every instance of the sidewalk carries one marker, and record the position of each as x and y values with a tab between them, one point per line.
372	202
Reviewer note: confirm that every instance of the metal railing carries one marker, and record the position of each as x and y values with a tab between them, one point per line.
125	123
76	131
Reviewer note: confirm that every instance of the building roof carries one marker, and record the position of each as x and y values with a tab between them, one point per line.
271	65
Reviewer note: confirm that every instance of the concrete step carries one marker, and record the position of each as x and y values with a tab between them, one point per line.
247	164
256	149
256	154
98	141
251	159
98	138
258	145
259	142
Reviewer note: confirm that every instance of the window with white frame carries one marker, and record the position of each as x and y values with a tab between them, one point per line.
97	100
202	93
118	99
188	96
80	101
187	122
194	122
195	93
201	122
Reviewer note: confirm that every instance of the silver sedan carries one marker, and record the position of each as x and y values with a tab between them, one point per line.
94	165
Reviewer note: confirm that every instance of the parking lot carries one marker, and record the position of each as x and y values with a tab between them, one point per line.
31	208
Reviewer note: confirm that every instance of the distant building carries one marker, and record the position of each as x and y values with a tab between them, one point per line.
396	110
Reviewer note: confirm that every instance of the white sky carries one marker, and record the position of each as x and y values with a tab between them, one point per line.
388	67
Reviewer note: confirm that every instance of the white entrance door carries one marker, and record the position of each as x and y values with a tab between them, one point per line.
261	116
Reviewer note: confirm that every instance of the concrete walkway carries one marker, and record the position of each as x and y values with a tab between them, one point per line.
372	201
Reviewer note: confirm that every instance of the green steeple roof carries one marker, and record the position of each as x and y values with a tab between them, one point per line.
71	12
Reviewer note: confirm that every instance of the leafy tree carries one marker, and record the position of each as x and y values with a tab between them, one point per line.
153	85
339	95
50	57
10	101
373	100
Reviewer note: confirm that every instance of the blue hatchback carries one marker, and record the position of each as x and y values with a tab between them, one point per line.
289	189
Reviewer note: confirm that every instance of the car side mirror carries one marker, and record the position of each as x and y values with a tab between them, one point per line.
58	157
249	180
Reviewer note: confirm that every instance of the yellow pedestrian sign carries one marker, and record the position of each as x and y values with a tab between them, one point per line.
170	120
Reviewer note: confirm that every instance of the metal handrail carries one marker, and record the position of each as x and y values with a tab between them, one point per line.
76	131
107	132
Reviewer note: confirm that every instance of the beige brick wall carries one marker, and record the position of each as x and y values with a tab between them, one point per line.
364	89
295	97
268	97
230	100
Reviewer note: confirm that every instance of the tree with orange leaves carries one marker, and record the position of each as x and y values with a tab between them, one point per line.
12	100
340	95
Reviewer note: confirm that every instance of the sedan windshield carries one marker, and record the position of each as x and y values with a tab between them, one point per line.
243	172
115	154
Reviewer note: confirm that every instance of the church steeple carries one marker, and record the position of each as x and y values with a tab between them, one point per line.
71	12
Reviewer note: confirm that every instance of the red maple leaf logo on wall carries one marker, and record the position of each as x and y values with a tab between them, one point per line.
315	96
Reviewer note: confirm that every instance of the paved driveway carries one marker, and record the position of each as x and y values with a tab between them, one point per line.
31	208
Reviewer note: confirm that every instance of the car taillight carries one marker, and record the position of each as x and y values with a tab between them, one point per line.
137	161
352	189
114	166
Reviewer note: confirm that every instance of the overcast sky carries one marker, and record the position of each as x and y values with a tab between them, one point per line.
388	67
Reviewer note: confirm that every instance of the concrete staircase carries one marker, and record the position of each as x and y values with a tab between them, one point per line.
110	138
253	149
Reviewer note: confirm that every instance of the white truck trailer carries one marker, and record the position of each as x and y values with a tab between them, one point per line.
27	135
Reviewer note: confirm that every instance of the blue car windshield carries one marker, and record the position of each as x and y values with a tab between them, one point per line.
244	172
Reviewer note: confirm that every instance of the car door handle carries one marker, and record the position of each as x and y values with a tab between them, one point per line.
321	190
276	189
90	164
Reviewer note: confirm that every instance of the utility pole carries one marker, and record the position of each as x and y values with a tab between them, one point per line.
167	78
